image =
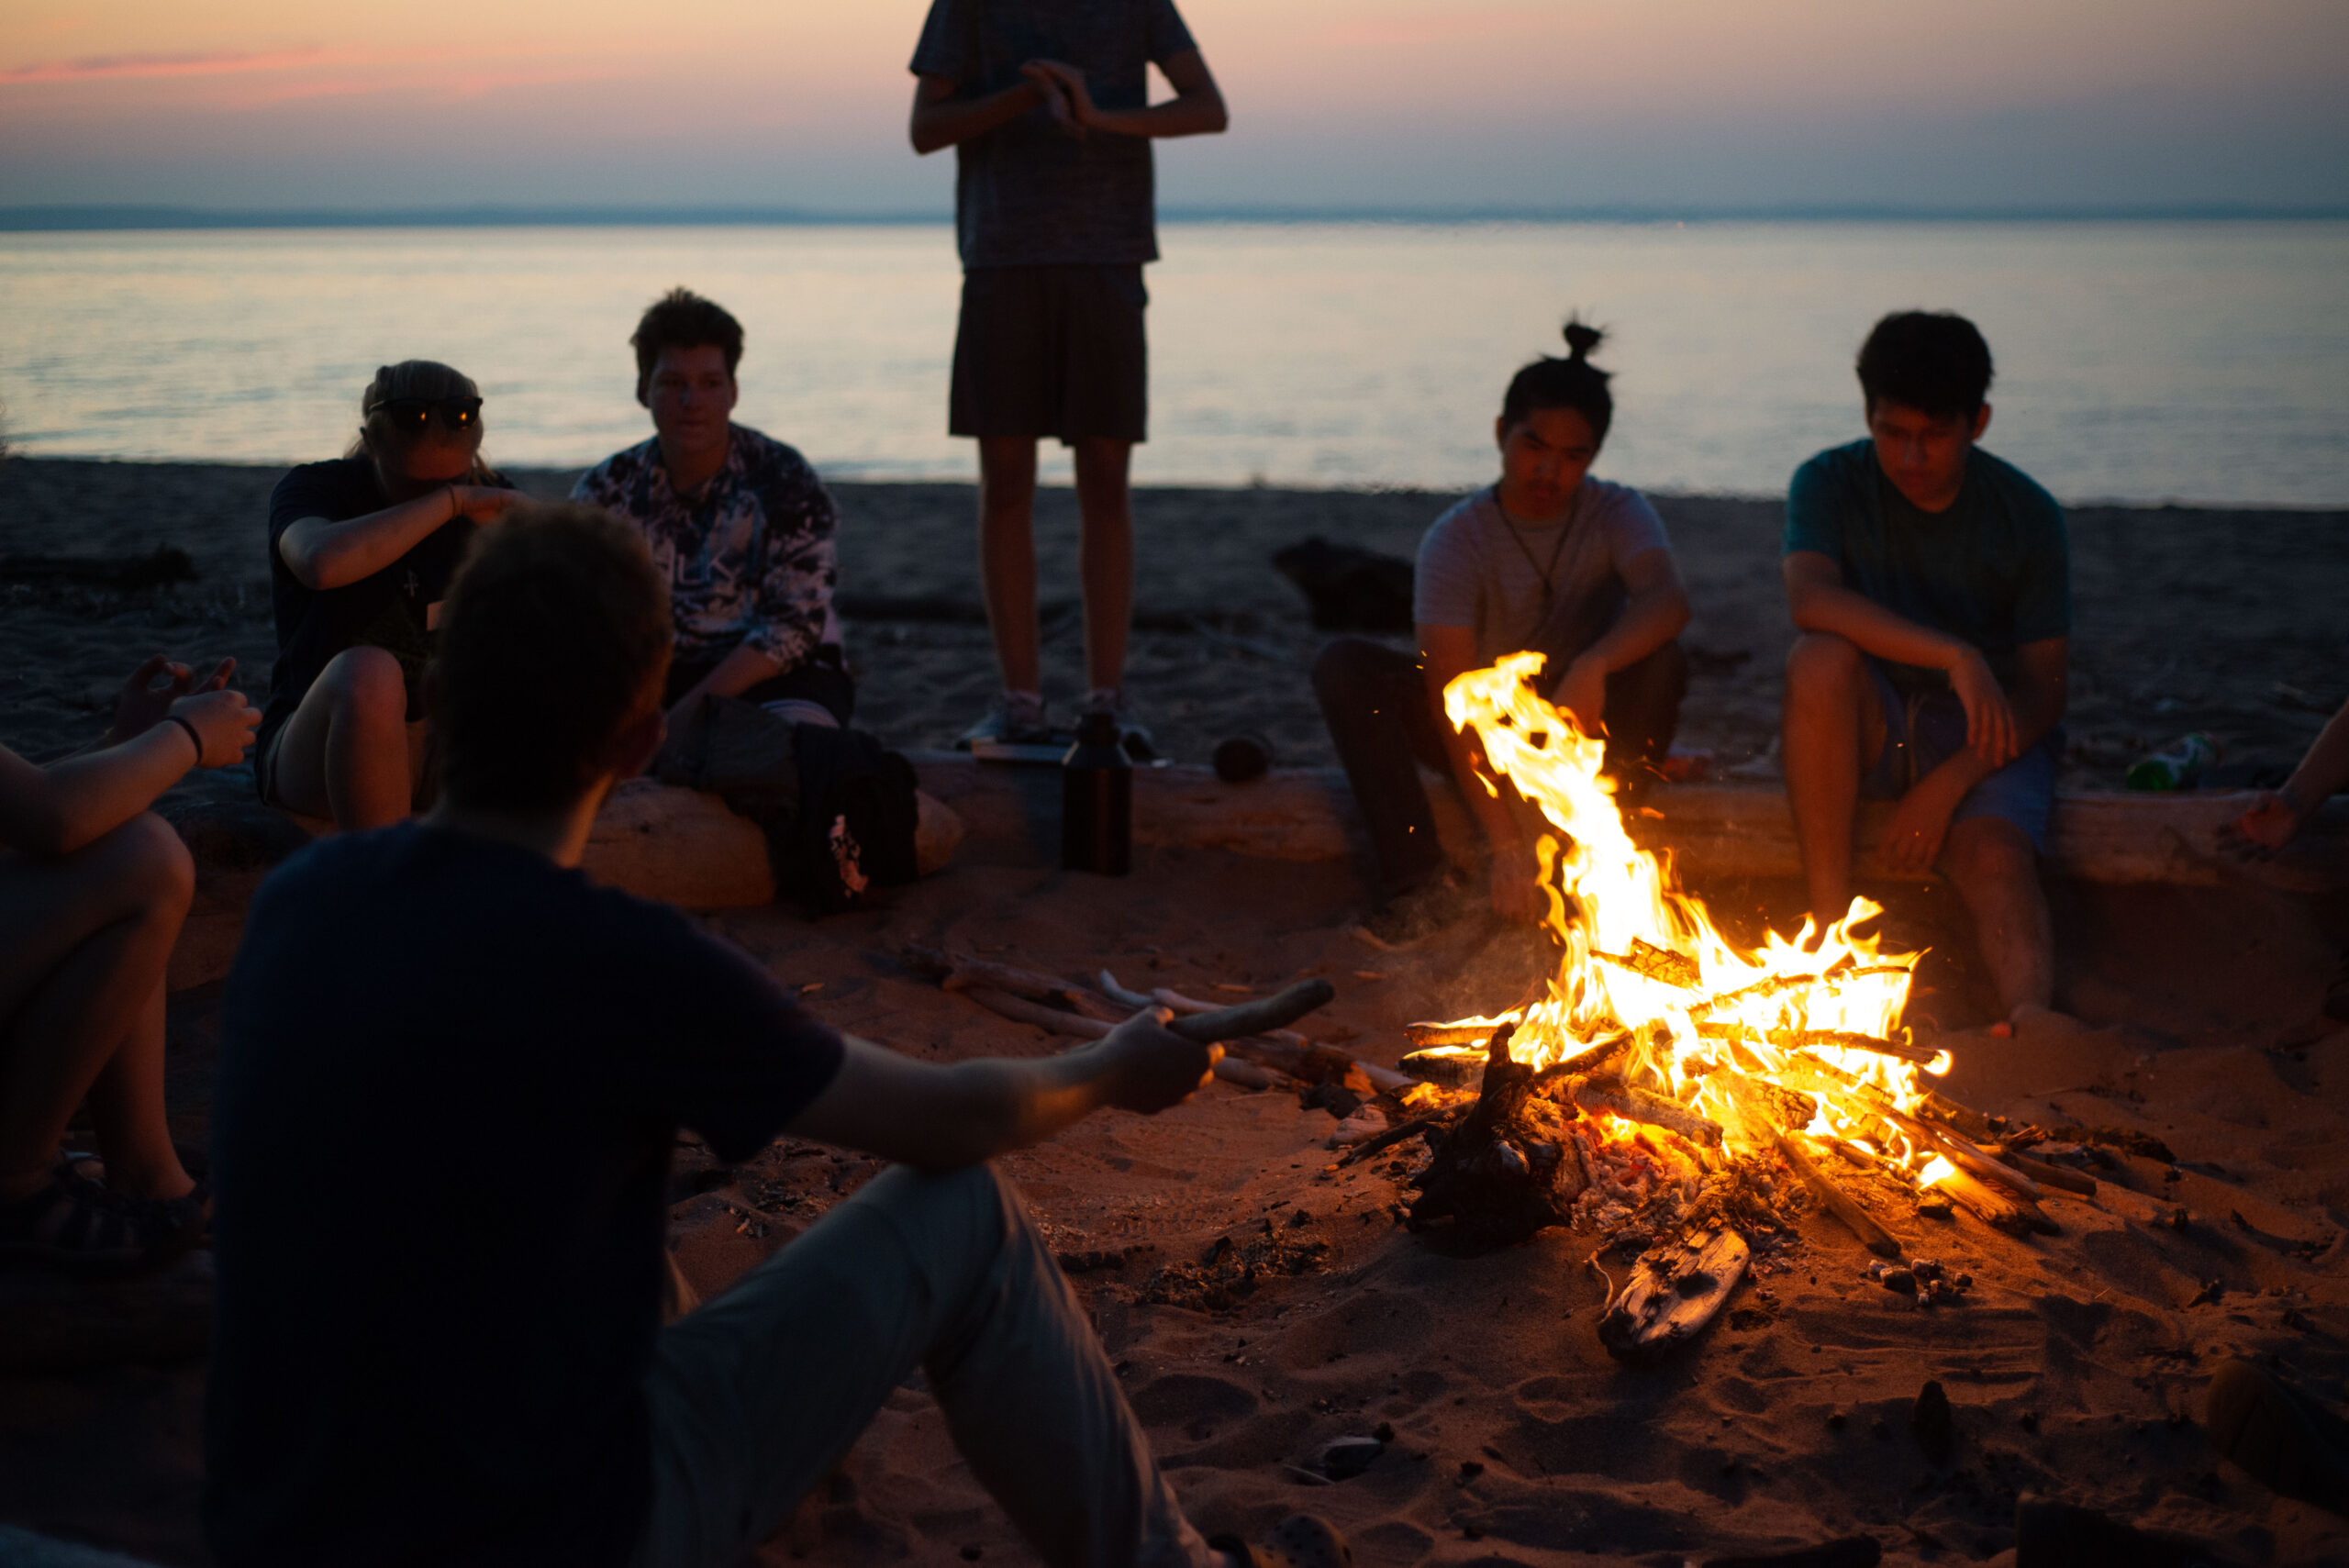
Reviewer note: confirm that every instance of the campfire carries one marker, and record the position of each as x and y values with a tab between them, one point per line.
1654	1086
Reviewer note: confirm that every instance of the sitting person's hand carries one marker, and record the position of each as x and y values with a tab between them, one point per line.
485	503
1990	716
1151	1068
1066	93
1912	840
2270	824
1517	893
143	703
224	723
1582	693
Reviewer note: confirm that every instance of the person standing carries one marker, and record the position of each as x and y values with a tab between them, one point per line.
1046	103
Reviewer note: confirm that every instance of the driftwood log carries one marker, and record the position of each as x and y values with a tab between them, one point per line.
1510	1168
1996	1207
1673	1293
1836	1201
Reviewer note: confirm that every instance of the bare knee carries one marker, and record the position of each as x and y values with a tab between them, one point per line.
1989	854
146	868
365	683
1822	665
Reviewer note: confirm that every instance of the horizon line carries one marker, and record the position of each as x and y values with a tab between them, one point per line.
83	217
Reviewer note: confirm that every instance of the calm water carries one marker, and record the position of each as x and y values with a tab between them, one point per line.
2139	362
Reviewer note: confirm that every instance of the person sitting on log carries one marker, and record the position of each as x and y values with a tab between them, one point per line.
408	1366
1550	559
360	551
2275	817
737	523
92	889
1931	583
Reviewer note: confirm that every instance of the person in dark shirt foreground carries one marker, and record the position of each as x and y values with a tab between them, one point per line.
419	1358
1931	586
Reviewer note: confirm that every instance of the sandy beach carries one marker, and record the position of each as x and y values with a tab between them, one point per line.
2075	1367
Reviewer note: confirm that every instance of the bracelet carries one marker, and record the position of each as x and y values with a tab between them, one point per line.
192	735
456	507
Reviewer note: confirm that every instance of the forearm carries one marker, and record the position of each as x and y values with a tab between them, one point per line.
1874	628
1649	621
943	122
2323	770
323	554
89	795
1199	112
736	673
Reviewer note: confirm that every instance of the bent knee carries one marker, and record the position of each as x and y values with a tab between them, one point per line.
366	681
1821	660
148	865
1341	667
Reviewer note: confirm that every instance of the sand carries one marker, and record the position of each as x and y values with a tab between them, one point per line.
2075	1369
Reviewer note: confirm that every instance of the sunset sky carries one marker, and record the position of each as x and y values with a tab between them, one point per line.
1389	103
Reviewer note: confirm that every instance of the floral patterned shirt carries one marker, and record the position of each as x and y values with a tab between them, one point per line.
750	560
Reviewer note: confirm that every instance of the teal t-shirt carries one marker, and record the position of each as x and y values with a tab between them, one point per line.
1994	569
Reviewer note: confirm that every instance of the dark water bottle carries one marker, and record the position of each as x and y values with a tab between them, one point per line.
1097	800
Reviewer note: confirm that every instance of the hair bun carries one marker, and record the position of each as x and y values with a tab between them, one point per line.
1581	340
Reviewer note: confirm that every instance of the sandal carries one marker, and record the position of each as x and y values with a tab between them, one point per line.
1300	1540
82	1227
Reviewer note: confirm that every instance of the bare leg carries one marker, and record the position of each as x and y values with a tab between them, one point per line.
1007	556
1830	730
345	754
1995	871
84	942
1106	556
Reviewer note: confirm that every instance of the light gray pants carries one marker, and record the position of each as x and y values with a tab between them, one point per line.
757	1395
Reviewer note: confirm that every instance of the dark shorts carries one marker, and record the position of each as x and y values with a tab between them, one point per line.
821	678
1922	732
1051	351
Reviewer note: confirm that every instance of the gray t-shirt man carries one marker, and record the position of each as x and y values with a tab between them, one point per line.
1028	193
1514	583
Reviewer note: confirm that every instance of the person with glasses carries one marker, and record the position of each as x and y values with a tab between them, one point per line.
360	551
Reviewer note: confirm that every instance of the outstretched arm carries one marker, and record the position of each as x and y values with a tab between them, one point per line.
940	1118
2278	814
57	809
1196	108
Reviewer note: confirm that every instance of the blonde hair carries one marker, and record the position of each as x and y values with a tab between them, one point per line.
411	378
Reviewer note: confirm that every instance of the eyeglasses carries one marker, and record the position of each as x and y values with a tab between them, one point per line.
459	416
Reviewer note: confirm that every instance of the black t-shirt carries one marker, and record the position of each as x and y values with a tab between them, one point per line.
450	1075
390	609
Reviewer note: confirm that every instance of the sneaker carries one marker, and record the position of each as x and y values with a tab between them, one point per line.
1139	746
81	1227
1018	718
2276	1436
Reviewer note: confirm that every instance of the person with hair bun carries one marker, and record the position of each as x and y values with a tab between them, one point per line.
1550	559
360	551
1931	586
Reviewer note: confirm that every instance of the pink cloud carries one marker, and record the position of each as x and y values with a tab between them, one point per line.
100	67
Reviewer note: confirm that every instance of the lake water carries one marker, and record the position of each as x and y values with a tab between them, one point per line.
2140	361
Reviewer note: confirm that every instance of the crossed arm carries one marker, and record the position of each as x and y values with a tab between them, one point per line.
940	119
323	554
940	1117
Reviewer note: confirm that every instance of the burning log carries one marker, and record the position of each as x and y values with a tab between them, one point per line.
1785	983
2052	1175
1838	1202
1674	1292
1653	962
1509	1169
1839	1039
2001	1210
1468	1031
1617	1098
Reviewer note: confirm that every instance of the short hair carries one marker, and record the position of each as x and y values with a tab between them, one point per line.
682	319
1571	382
555	634
1932	360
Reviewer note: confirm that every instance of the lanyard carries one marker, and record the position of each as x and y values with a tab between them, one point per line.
1558	549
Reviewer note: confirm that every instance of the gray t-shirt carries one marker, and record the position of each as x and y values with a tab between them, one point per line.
1026	194
1478	569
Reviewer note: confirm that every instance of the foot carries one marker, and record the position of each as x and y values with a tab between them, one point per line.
1111	700
2276	1436
1419	912
80	1226
1300	1540
1017	719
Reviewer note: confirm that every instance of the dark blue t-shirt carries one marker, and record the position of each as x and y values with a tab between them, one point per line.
1993	569
450	1075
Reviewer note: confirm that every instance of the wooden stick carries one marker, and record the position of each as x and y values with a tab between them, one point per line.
1771	987
1248	1075
1116	993
2053	1175
2003	1211
1839	1202
1175	1002
1617	1098
1021	1010
1398	1132
1264	1014
1476	1031
1840	1039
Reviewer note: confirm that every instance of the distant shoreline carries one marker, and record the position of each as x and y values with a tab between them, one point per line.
132	217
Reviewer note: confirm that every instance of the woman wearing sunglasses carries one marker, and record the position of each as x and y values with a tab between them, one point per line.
360	551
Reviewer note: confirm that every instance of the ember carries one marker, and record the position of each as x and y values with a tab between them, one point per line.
1664	1082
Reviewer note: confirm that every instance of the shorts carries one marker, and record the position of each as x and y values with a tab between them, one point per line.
1051	351
1923	730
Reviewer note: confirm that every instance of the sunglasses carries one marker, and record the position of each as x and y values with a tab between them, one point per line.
459	416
